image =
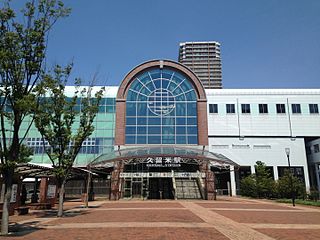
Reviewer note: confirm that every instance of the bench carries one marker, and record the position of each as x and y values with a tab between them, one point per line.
22	210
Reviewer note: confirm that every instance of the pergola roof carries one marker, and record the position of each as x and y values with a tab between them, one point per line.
108	159
33	170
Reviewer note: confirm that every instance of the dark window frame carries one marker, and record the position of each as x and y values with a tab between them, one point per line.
245	108
213	108
281	108
296	108
263	108
313	108
230	108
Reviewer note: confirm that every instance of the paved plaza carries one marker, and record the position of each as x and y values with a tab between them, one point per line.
226	218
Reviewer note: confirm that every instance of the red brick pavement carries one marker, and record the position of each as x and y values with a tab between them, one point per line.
272	217
170	220
243	205
156	215
125	234
292	234
144	204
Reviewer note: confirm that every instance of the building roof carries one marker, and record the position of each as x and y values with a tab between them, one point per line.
185	153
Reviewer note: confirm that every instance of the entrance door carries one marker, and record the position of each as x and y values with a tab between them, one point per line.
160	188
136	189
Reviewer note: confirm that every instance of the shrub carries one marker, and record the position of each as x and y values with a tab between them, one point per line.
284	187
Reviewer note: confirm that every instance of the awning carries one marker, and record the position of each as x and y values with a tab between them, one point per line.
185	153
32	170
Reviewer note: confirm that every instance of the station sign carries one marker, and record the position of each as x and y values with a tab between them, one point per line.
162	175
163	161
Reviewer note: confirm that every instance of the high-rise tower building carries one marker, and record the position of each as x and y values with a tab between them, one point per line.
204	59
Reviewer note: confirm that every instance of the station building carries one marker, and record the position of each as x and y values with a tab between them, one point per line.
161	135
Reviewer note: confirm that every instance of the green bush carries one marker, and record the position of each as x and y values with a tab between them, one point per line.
284	187
314	195
248	186
260	184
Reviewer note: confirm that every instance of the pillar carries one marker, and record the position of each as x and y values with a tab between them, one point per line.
233	181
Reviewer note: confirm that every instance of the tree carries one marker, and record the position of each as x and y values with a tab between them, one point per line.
264	182
259	184
22	53
62	124
284	186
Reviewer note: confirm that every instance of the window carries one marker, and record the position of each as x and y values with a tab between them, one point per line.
161	108
296	108
263	108
230	108
281	108
245	108
316	148
213	108
313	108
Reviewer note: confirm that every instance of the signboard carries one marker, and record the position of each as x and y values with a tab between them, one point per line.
51	193
162	175
14	192
163	161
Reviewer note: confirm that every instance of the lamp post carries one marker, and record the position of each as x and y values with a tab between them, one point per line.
291	184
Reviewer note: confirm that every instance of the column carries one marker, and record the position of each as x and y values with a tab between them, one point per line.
316	169
275	173
233	181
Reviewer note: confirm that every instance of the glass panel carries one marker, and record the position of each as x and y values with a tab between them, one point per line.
130	139
165	83
157	83
154	130
191	96
168	139
130	130
181	130
192	121
155	74
192	130
181	139
180	109
168	121
167	130
131	109
141	130
192	109
181	97
110	101
130	121
154	121
150	85
154	139
110	109
141	139
141	121
192	140
181	121
142	109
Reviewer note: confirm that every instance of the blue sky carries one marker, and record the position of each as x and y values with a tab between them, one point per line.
264	43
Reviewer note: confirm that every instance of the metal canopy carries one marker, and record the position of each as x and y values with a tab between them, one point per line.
187	155
44	170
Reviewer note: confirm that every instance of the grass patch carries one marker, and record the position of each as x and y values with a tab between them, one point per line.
300	201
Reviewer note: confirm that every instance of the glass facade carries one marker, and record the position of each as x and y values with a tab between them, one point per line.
101	141
161	108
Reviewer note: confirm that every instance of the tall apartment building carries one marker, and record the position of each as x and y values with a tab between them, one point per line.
204	59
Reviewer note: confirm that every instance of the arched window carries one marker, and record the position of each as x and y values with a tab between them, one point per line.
161	108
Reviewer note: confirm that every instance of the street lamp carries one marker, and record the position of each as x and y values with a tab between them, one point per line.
291	184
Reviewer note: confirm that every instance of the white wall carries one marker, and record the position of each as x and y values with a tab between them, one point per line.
270	124
271	151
